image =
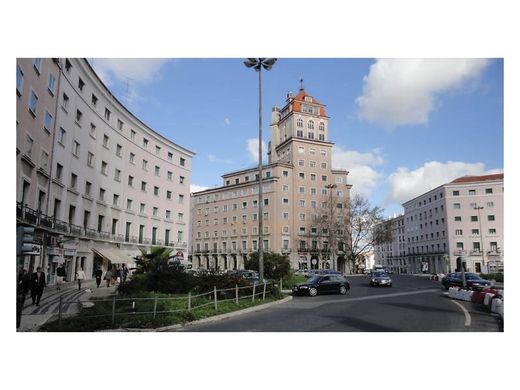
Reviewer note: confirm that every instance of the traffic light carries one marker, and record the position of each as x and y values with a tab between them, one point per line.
25	239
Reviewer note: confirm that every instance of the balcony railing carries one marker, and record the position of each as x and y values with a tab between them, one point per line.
38	219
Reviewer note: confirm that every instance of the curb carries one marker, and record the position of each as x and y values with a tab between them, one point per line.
205	320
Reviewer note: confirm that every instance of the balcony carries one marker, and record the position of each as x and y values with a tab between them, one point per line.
459	252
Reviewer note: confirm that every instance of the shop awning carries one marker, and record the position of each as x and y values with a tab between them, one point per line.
117	256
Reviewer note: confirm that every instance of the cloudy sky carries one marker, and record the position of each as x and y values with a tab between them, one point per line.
400	126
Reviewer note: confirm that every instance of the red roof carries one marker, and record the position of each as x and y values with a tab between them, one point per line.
471	179
300	97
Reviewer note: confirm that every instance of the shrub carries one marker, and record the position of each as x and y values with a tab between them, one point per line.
276	266
497	277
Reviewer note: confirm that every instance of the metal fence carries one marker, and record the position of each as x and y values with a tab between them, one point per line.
189	303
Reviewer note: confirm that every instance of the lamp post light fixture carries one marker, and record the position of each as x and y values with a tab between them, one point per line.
478	208
257	64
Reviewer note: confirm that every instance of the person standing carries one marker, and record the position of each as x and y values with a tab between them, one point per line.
37	285
124	273
108	277
80	276
60	275
98	274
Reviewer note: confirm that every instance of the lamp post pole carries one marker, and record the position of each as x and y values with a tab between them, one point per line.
257	64
330	187
478	208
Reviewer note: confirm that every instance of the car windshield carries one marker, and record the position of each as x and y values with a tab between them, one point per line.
313	279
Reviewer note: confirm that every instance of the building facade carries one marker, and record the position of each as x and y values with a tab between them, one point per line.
299	186
115	185
463	218
392	254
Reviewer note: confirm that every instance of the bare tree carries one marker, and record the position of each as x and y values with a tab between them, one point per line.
359	227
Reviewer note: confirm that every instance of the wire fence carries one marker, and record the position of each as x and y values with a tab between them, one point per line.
152	306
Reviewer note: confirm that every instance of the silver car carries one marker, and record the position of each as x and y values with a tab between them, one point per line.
380	279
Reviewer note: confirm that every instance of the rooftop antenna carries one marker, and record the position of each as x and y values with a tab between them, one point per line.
128	81
301	84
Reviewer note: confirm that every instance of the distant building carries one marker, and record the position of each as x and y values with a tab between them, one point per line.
392	254
463	218
93	179
298	186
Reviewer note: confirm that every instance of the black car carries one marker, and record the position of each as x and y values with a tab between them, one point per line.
323	284
472	280
380	279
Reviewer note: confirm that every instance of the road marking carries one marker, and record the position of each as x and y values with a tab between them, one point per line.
467	322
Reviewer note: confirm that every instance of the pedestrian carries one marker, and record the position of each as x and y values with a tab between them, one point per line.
114	274
124	273
119	275
24	284
99	274
80	276
37	285
60	275
108	277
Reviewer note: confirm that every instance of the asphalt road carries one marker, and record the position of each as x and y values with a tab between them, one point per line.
412	304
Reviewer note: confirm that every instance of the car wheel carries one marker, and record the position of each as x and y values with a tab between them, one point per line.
313	292
342	290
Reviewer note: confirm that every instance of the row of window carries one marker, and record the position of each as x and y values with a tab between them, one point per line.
493	246
310	124
224	246
476	232
473	205
120	125
474	218
473	191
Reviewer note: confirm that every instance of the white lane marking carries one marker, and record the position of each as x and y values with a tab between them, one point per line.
467	322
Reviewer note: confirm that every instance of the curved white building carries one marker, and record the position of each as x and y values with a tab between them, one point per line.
116	184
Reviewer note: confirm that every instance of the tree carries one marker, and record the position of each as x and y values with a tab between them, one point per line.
276	266
360	230
155	260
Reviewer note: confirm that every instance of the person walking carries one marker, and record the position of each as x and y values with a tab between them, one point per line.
108	277
37	285
60	276
124	273
24	284
98	274
80	276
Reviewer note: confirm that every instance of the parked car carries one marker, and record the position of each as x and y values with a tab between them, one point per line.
247	274
389	271
472	280
380	279
323	284
301	272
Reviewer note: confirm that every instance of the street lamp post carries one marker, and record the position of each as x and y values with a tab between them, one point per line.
478	208
330	187
257	64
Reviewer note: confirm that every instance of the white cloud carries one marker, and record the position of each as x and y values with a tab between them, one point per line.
227	121
405	184
362	174
252	148
215	159
399	92
197	188
137	70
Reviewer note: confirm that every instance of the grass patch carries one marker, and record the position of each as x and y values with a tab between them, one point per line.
138	313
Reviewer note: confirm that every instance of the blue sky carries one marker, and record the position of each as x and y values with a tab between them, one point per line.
401	127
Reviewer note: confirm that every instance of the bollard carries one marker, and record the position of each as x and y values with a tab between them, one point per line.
189	301
254	287
215	294
113	310
263	295
155	307
236	293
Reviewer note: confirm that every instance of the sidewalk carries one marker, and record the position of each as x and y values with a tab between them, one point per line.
35	316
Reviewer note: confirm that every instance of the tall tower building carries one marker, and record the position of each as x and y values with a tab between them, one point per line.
299	185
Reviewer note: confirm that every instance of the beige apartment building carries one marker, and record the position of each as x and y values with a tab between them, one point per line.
463	218
392	255
114	185
299	185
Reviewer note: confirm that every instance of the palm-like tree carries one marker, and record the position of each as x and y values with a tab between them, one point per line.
155	260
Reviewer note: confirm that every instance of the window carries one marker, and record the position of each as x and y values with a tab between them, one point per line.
145	165
181	179
44	160
301	163
155	211
75	148
119	149
132	135
132	158
489	190
62	136
456	205
170	156
299	122
492	231
458	218
168	214
168	194
472	192
301	175
104	168
88	187
90	159
143	186
145	143
491	217
28	145
120	125
142	207
285	201
59	171
474	218
107	114
285	173
169	175
94	100
456	193
474	232
302	203
79	115
37	65
490	204
81	84
157	150
105	141
117	175
47	121
68	65
129	204
157	171
324	178
33	103
102	194
181	199
92	131
182	161
51	84
19	80
310	124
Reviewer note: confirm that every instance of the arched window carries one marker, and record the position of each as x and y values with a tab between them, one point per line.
310	125
299	122
322	126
